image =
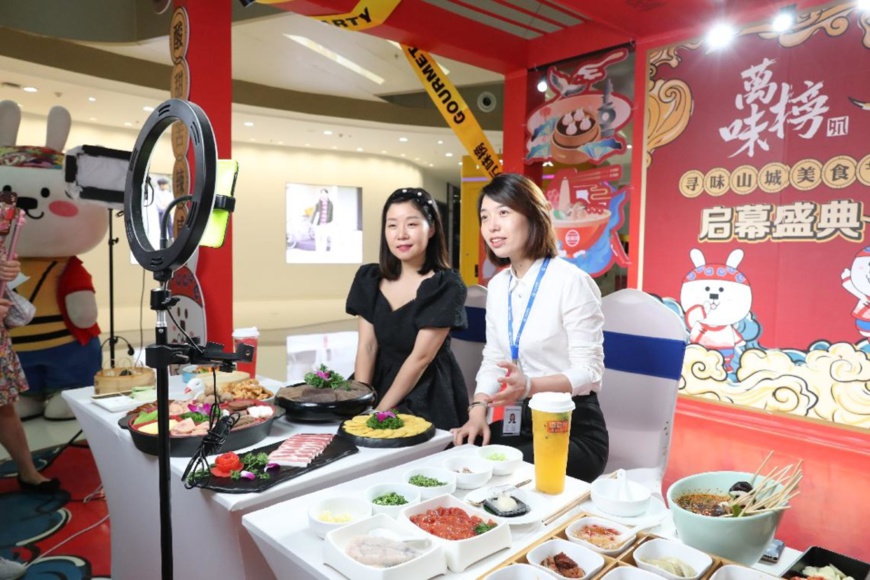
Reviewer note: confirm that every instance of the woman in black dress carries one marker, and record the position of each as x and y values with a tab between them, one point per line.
407	304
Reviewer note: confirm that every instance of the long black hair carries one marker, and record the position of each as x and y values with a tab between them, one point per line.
436	248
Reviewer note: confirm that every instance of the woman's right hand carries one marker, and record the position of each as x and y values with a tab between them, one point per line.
474	428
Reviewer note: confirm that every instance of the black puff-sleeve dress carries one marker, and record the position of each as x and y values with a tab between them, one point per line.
440	395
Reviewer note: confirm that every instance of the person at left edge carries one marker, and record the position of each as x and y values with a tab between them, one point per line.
407	304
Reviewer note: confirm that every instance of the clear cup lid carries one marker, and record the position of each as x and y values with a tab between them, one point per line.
548	402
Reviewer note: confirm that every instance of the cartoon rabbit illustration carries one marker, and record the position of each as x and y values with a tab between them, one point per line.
715	298
856	280
60	349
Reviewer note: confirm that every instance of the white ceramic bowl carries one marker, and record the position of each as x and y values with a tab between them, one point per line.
461	554
742	540
443	475
481	470
353	507
629	573
734	572
575	526
429	563
410	492
588	560
516	572
660	548
606	497
513	458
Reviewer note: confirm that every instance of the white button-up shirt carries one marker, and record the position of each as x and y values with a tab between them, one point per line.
563	333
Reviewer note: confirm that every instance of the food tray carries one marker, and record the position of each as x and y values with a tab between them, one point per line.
187	446
337	449
819	557
626	558
310	412
387	443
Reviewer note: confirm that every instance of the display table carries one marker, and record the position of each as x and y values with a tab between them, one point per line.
294	551
208	539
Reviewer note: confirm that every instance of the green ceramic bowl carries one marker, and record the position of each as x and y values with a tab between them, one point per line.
742	539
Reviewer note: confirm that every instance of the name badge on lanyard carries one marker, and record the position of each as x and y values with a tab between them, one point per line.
513	415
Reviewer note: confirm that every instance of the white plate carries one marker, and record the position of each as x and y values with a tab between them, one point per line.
656	510
537	505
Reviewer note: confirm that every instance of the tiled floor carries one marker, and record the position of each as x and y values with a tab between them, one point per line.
285	355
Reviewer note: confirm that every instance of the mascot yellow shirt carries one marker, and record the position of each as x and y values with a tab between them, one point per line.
51	279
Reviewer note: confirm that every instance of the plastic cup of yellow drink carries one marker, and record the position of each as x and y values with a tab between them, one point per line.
551	428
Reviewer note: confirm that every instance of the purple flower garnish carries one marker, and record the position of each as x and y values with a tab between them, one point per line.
384	415
271	466
323	375
248	475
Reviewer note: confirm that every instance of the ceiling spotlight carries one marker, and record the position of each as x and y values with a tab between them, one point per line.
542	85
128	124
327	132
249	124
403	139
359	149
448	155
30	89
721	35
92	99
440	142
785	18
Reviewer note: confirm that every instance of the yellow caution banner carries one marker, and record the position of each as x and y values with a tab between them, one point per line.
366	14
454	109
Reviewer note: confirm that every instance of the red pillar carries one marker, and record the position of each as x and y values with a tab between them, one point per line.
520	97
209	56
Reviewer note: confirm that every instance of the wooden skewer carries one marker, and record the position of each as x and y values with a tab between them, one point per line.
760	467
562	511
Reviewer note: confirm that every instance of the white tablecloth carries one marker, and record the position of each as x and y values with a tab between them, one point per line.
294	551
208	540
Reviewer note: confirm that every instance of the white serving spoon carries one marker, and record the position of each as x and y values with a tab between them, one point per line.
416	543
621	538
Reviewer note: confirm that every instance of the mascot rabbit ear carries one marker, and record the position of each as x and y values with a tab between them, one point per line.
10	119
734	259
57	130
697	257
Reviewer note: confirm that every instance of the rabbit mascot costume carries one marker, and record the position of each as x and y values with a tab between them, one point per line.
60	348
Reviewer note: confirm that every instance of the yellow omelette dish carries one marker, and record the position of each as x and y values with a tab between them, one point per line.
413	426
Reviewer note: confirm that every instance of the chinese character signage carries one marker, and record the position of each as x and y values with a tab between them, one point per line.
755	227
578	130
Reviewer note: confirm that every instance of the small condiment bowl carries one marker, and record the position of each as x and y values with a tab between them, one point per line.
586	559
411	493
661	548
735	572
443	475
574	528
513	457
480	471
606	497
629	573
516	572
336	507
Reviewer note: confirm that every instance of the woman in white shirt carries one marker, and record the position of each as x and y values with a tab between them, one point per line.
543	329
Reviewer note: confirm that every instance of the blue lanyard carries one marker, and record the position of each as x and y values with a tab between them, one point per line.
515	346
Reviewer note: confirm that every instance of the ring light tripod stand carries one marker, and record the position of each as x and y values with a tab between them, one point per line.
164	261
